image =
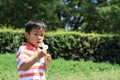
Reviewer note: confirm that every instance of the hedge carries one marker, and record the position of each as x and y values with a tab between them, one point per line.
70	45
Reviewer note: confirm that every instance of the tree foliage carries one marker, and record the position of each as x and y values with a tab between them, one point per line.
18	12
101	16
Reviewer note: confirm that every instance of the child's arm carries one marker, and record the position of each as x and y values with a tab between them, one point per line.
47	57
47	61
30	61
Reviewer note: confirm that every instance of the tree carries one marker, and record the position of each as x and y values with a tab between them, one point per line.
101	16
18	12
98	16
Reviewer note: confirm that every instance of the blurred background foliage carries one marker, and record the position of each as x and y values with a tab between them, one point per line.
99	16
85	29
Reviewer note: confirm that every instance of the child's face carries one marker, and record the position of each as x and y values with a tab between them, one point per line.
35	37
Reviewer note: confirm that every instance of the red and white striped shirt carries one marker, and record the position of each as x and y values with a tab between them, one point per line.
36	71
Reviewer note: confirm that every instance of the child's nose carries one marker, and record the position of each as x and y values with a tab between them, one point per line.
39	37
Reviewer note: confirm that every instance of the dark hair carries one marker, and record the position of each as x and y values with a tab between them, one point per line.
34	24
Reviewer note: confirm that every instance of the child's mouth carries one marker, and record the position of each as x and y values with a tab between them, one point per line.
39	43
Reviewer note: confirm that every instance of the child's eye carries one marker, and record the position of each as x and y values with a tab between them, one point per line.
35	34
42	35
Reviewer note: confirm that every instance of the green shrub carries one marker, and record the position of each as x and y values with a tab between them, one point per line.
69	45
77	46
10	41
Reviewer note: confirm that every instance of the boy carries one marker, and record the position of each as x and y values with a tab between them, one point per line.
32	61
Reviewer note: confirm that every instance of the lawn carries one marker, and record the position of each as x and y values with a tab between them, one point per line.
61	69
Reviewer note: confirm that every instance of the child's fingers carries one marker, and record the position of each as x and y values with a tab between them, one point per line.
49	57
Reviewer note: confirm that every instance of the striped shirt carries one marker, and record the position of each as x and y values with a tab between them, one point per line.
36	71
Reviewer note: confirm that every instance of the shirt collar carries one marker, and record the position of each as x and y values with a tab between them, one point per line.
29	46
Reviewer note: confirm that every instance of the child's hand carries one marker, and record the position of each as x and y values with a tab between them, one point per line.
41	53
48	58
47	61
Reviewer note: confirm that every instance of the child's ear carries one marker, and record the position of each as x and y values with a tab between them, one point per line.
26	34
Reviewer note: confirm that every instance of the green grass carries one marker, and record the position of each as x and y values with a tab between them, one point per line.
8	67
61	69
80	70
